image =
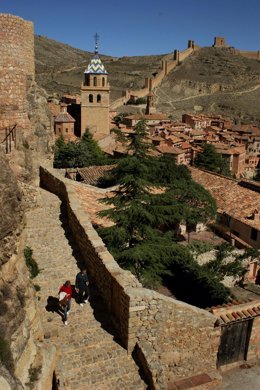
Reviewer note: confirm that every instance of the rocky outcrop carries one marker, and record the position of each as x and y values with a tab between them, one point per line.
37	145
11	210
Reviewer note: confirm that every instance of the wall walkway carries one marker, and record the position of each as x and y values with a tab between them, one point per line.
88	355
172	340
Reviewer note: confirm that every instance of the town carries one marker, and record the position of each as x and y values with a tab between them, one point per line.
157	214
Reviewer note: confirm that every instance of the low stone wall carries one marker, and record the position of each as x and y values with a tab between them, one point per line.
176	340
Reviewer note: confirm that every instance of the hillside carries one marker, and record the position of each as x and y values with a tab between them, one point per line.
60	67
213	80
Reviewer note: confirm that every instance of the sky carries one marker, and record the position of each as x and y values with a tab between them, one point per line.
141	27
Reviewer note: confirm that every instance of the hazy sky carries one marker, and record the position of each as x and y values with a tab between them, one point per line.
140	27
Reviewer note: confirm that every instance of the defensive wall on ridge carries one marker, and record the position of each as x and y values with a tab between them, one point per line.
16	67
172	339
169	62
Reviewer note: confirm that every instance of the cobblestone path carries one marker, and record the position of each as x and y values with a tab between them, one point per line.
89	357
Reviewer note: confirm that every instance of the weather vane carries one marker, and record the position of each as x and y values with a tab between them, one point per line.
96	36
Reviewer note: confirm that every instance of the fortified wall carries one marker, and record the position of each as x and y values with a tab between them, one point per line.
169	63
16	67
221	42
173	340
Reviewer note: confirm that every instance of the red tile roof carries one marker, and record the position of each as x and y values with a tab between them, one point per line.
236	311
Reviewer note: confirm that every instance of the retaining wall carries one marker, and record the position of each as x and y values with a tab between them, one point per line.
175	340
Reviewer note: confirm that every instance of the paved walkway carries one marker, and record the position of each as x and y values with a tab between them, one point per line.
90	358
242	378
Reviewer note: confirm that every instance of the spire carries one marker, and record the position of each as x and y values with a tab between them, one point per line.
96	36
95	66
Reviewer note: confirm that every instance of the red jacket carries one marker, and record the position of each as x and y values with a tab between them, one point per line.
67	290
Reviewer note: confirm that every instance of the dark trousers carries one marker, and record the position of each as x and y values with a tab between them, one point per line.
83	294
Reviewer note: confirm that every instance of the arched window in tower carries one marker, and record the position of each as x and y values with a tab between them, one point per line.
103	81
95	81
98	98
90	98
87	80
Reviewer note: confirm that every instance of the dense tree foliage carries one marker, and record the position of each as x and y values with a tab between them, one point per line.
212	161
82	153
153	196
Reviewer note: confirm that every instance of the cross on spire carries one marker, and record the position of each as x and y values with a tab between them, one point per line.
96	36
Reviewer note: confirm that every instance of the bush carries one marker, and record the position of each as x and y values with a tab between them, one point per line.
30	262
34	373
198	247
37	287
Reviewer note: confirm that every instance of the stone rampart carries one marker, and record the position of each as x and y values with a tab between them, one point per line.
168	64
176	340
255	55
16	66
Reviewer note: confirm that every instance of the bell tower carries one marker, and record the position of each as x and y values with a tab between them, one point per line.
95	97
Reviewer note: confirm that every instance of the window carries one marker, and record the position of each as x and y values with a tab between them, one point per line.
90	98
254	234
98	98
67	129
103	81
95	81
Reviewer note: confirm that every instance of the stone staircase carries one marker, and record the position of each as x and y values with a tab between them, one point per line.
89	357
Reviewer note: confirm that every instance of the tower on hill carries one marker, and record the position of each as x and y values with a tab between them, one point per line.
95	96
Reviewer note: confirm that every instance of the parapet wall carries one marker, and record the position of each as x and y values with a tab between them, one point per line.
16	66
176	340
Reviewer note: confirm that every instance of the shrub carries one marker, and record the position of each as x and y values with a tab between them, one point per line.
34	373
37	287
30	262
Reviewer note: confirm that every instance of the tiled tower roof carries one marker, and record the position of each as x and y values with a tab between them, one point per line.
96	66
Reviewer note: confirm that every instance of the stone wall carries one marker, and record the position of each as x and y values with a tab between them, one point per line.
16	66
168	64
255	55
176	340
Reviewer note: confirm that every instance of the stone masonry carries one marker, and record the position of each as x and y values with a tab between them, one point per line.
173	340
88	357
16	66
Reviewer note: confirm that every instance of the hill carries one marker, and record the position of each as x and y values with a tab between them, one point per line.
60	67
212	80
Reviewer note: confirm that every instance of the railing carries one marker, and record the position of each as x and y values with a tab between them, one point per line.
10	136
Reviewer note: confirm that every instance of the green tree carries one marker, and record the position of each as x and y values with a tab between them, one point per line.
149	201
191	282
212	161
82	153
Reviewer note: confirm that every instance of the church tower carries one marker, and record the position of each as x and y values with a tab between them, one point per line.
95	97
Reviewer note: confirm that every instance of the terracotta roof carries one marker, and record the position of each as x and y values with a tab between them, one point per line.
90	201
236	201
158	116
64	117
165	148
90	175
236	311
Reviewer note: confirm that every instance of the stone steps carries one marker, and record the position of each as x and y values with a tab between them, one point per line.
90	357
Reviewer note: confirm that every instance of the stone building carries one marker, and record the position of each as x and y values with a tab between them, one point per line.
95	98
64	124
